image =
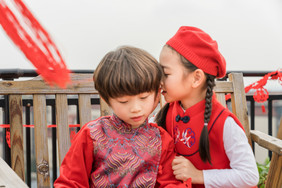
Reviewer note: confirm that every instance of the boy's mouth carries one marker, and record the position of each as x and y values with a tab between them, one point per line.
137	118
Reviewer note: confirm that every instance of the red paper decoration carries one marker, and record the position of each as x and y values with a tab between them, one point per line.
34	42
261	94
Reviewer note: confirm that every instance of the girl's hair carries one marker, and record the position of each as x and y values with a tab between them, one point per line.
204	149
127	71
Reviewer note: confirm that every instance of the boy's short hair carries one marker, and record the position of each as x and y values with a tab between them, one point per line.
127	71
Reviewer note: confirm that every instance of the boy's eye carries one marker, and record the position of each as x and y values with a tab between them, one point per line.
122	102
144	97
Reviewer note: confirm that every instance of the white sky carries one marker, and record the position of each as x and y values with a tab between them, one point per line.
249	32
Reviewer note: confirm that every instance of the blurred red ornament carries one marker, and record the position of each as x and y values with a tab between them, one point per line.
261	95
32	39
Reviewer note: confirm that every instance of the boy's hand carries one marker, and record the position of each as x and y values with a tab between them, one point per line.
184	169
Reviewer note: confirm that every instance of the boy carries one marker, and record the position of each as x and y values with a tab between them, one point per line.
122	150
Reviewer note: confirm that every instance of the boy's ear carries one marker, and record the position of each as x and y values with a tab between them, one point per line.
199	78
104	101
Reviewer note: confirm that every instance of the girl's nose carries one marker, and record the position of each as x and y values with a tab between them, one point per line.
162	84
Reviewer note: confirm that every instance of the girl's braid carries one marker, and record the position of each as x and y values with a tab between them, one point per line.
204	148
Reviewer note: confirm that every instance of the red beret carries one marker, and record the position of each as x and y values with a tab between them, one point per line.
200	49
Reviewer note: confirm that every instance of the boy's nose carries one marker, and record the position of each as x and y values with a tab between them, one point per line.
136	107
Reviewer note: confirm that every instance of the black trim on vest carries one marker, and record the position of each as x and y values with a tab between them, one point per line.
209	133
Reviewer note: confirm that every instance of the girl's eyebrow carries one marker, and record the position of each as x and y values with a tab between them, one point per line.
164	67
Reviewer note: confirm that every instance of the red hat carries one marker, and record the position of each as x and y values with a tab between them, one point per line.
200	49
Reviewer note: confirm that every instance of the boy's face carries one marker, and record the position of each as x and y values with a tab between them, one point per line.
135	109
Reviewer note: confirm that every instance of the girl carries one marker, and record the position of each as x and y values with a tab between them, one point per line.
210	140
122	150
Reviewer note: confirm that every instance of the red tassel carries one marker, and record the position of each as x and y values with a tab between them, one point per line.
35	44
8	137
263	108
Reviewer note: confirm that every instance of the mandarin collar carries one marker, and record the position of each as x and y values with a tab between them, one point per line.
193	110
125	127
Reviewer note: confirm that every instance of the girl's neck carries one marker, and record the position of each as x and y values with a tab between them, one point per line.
193	99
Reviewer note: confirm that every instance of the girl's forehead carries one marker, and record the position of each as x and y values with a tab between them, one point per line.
169	58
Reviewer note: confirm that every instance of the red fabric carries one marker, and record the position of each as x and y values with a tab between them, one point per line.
200	49
33	40
78	164
187	135
76	167
165	176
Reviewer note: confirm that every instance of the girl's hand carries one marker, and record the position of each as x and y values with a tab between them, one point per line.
184	169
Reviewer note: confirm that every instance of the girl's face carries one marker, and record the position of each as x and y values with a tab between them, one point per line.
175	84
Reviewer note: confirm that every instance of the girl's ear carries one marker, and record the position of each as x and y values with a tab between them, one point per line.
199	78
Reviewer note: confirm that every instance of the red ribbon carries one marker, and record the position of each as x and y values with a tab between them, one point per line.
8	134
34	42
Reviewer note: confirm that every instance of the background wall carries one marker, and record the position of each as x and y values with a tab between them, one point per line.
249	32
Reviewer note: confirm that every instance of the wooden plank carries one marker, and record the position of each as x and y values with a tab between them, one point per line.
223	87
274	176
81	83
221	98
9	178
63	134
239	102
269	142
104	108
84	104
41	142
16	122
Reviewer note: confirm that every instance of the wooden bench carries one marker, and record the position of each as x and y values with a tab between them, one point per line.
235	86
82	85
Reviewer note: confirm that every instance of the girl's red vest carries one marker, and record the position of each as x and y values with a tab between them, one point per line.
187	134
